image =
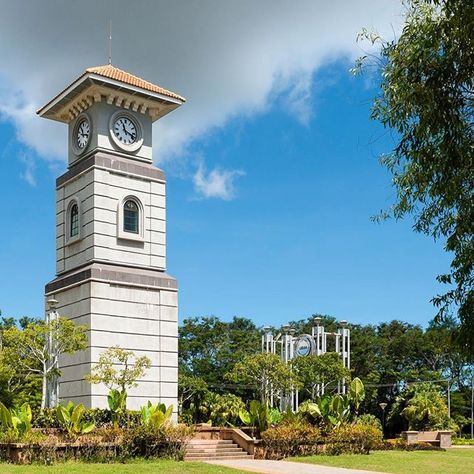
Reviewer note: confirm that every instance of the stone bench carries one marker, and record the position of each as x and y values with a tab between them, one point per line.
436	438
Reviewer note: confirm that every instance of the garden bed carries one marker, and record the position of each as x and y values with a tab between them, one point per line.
26	453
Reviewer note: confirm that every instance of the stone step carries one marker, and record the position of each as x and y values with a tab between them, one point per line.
206	449
210	441
234	456
221	452
210	446
215	451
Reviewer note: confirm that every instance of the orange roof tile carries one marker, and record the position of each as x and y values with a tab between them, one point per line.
117	74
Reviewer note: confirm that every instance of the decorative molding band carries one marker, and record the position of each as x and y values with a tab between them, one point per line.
111	162
114	274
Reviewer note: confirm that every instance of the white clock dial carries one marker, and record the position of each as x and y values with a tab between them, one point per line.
125	130
83	134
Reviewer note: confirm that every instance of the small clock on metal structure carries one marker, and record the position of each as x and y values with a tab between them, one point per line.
304	345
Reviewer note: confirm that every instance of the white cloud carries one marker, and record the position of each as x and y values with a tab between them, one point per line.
29	163
218	183
229	58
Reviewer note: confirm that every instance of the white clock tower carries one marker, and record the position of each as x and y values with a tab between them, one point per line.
111	233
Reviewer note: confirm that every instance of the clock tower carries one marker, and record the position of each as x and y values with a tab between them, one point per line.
111	233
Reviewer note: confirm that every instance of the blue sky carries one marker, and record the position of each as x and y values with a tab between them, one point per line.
269	202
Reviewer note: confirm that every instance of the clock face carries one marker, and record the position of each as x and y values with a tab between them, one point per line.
304	346
83	134
125	130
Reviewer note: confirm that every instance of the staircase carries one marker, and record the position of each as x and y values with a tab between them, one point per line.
202	449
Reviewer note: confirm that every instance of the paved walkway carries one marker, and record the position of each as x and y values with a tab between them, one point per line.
285	467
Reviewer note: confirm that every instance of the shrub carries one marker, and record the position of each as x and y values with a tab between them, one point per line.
370	420
151	441
17	420
222	410
463	442
401	444
14	436
46	418
295	438
101	418
354	439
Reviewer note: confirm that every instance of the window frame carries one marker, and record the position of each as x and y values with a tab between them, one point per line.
70	239
121	232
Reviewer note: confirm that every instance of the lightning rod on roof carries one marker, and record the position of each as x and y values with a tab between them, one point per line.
110	41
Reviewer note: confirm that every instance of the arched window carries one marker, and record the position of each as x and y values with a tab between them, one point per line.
131	217
74	221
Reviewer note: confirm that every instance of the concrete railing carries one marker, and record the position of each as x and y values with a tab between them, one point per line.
240	438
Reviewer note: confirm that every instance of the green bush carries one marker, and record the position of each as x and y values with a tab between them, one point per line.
222	410
401	445
370	420
16	420
463	442
151	441
353	439
101	418
295	438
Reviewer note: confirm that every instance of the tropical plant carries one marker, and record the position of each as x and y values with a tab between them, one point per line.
157	415
310	411
356	393
259	416
17	420
423	407
334	409
71	418
222	410
117	402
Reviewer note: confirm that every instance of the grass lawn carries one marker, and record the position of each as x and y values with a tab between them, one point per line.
135	467
452	461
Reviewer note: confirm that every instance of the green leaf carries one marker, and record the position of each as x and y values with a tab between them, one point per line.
5	416
63	415
87	428
244	415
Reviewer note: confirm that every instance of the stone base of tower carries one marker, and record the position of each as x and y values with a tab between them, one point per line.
135	309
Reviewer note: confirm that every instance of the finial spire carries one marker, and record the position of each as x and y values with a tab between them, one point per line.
110	41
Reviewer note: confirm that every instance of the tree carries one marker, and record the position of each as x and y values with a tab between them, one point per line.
423	407
323	370
190	390
31	352
265	372
426	97
118	380
209	347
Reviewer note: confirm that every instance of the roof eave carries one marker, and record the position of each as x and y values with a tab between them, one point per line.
43	111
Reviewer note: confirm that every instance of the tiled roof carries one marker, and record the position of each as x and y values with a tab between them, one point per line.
117	74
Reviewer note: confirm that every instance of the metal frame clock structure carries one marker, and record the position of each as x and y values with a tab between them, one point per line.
289	345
